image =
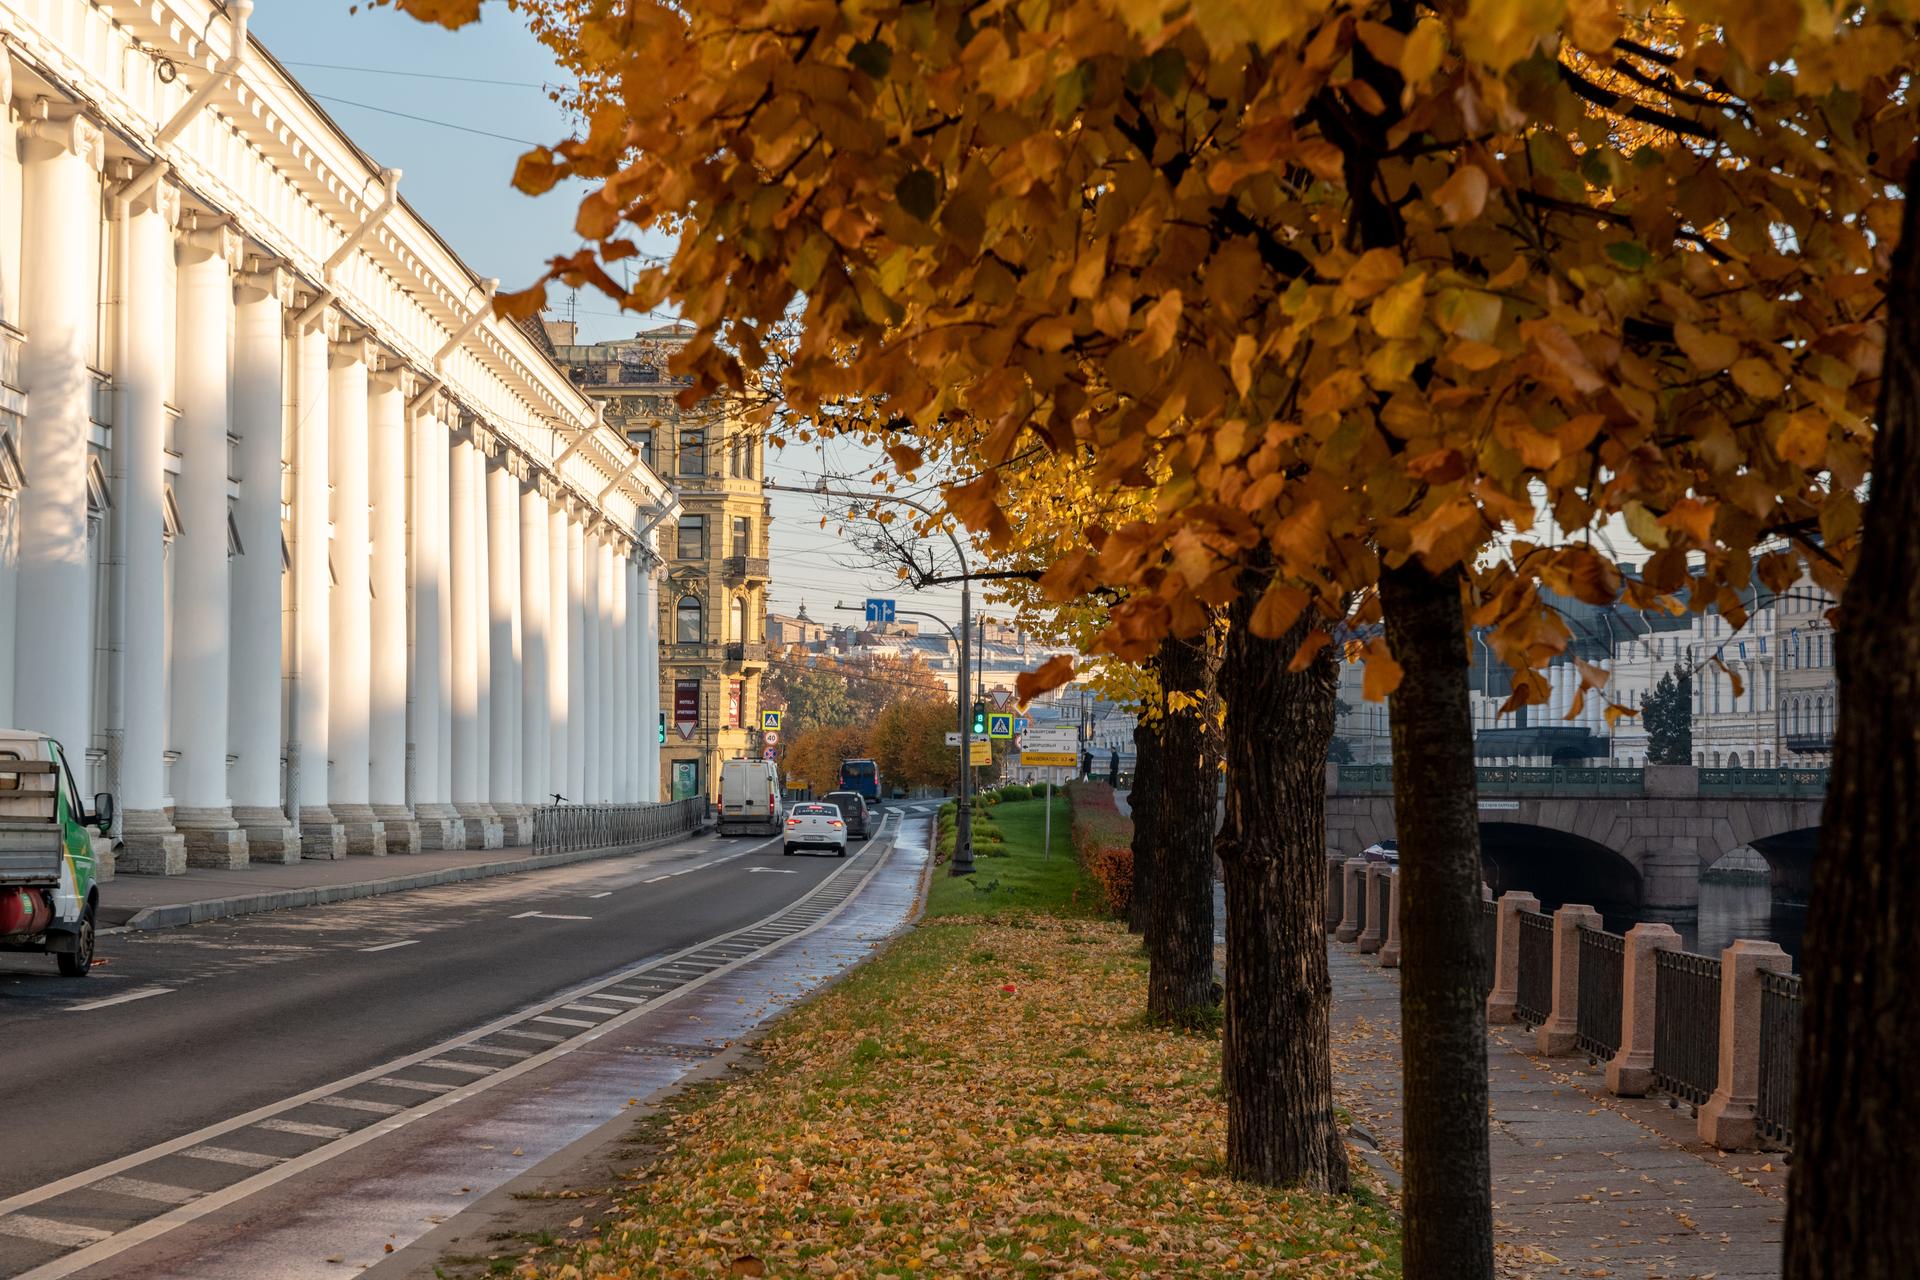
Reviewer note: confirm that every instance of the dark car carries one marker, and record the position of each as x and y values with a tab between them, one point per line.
854	807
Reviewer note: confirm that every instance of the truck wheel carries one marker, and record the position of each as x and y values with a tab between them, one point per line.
78	963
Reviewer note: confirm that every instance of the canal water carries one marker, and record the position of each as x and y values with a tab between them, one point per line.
1730	911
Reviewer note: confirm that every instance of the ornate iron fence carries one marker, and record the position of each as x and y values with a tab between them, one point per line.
1383	907
1809	783
1534	1001
564	828
1686	1025
1489	945
1779	1038
1603	963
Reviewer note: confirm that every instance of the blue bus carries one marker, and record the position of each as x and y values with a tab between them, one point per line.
861	776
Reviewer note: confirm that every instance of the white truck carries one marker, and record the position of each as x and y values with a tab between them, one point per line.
49	900
750	800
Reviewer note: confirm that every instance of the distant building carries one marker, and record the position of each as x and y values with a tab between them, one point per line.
790	631
713	619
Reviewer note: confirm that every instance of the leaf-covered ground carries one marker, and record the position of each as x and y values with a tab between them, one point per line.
982	1099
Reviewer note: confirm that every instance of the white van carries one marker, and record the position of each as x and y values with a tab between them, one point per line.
750	798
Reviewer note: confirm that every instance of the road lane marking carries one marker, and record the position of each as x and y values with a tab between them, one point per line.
141	994
608	995
775	871
543	915
360	1104
497	1051
423	1086
589	1008
141	1189
607	894
302	1128
388	946
47	1231
564	1022
656	880
471	1068
227	1155
117	1243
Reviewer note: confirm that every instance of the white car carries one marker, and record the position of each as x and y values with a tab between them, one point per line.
816	826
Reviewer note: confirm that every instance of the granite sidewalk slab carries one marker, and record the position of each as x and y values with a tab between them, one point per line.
1584	1184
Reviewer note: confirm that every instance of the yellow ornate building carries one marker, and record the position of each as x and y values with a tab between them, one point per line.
713	587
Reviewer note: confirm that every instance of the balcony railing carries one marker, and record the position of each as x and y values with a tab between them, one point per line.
738	652
746	568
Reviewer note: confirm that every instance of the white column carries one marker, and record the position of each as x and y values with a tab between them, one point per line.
579	705
592	688
468	643
350	700
482	643
321	836
650	784
150	843
202	619
639	727
503	598
431	579
254	712
387	723
536	601
559	659
620	679
607	691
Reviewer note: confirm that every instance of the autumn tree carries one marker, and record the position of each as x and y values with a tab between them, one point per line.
909	742
811	758
813	697
1350	289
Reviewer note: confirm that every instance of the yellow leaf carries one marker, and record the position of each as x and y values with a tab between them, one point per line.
1644	526
1383	674
1371	272
1313	644
1758	378
1397	312
1462	197
1241	366
1423	51
1475	357
1051	674
1162	320
1278	609
1803	441
1594	24
1711	352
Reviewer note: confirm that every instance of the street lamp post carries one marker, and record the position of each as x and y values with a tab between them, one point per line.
963	816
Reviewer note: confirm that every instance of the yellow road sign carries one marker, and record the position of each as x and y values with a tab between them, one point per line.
979	752
999	725
770	720
1049	759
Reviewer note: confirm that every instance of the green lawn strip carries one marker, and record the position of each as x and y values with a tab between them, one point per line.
1017	876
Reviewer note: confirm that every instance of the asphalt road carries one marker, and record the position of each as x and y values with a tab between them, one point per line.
186	1027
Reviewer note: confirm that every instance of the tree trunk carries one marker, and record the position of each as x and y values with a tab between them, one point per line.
1448	1198
1849	1210
1276	1054
1180	986
1144	800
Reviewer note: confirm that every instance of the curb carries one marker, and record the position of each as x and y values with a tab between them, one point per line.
171	915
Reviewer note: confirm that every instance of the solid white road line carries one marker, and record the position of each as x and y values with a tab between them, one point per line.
141	994
608	995
543	915
141	1189
497	1052
227	1155
607	894
388	946
589	1008
471	1068
532	1035
47	1231
563	1022
302	1128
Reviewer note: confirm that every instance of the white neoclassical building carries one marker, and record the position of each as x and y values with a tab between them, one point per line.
301	549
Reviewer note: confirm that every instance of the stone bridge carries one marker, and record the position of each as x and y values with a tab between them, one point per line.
1626	840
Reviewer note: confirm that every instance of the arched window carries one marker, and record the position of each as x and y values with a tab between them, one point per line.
1793	717
1733	760
1716	759
1766	759
687	622
1699	758
737	627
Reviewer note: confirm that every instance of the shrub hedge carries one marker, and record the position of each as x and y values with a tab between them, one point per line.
1103	842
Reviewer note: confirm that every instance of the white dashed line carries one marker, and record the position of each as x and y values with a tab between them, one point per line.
141	1189
359	1104
48	1231
563	1022
589	1008
301	1127
543	915
141	994
471	1068
394	1082
227	1155
607	894
388	946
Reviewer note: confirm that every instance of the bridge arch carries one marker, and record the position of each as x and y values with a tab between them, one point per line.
1559	867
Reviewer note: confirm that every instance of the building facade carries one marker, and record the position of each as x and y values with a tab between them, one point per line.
712	609
302	552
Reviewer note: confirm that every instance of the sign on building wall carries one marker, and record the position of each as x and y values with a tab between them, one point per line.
735	697
686	706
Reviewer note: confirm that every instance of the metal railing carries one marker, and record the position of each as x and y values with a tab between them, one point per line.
1811	783
1383	907
1534	1000
1489	945
1603	964
1336	893
1526	780
1779	1039
1686	1025
565	828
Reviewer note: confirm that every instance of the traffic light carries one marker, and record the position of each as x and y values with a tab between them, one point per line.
662	739
979	719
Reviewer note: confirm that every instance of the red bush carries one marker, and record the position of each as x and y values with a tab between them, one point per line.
1103	842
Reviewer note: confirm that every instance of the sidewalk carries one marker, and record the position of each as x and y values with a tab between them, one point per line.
160	902
1584	1184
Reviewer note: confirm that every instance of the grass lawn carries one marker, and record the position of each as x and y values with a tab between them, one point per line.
1017	876
982	1098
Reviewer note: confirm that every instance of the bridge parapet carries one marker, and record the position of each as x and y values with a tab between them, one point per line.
1662	781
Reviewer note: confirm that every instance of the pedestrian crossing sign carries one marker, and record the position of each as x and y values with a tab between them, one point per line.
999	725
770	721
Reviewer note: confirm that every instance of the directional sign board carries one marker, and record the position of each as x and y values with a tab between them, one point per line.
770	720
999	725
1063	737
953	737
1050	759
879	610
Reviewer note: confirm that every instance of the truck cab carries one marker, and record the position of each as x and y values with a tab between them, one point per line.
49	895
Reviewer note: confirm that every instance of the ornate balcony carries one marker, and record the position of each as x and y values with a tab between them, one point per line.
738	652
746	569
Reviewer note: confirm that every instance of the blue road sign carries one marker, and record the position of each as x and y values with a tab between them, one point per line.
879	610
1019	724
999	725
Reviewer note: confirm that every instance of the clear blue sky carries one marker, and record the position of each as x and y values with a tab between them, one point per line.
454	110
